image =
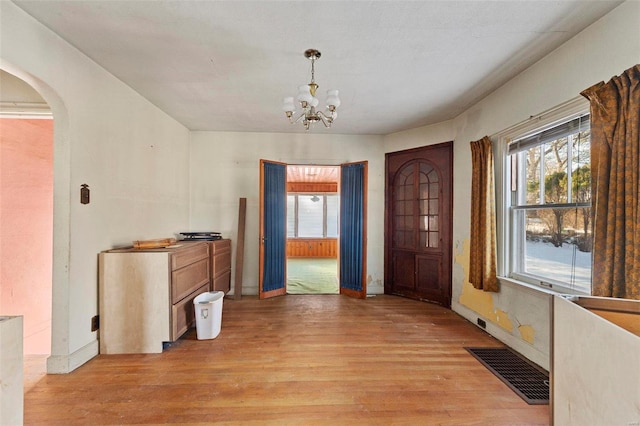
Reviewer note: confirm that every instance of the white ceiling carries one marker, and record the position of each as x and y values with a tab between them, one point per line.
226	65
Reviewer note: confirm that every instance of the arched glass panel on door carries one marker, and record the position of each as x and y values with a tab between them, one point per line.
416	209
428	199
403	212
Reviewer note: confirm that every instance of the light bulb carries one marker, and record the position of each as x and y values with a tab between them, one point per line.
303	94
288	105
332	98
333	101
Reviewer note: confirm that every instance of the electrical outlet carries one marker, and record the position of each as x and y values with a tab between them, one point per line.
482	323
95	323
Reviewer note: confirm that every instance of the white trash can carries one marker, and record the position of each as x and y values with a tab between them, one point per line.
208	310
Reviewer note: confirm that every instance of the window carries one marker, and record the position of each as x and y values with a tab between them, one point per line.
547	229
312	215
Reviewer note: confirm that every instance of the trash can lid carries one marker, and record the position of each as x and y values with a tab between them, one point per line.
208	297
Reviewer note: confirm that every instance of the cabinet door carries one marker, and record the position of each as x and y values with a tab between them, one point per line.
186	280
220	256
183	314
428	273
221	265
404	268
220	246
222	282
189	254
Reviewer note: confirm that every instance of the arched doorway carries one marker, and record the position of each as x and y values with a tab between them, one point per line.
26	188
59	360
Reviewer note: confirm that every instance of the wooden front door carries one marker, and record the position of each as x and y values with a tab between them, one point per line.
418	222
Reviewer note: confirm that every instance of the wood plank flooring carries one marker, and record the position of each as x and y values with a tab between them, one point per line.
299	360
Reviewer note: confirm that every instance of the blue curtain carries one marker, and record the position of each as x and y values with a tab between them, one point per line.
351	226
275	230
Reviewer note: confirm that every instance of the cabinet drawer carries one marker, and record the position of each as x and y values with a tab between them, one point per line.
183	314
191	253
222	282
220	246
186	280
221	263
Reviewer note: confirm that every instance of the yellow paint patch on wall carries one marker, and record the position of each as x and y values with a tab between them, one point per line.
503	320
477	300
527	333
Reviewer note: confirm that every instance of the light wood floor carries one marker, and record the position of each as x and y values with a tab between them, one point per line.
298	360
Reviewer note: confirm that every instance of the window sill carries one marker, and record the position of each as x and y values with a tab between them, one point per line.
534	289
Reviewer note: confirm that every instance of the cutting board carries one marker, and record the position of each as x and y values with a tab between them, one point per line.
157	243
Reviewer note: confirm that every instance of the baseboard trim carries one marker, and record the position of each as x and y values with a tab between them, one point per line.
525	349
63	364
253	291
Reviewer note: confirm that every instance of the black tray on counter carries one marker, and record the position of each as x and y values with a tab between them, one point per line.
200	236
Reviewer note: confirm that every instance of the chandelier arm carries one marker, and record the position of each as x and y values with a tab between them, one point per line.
325	120
300	117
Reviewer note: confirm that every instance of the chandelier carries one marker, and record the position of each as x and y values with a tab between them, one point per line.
309	102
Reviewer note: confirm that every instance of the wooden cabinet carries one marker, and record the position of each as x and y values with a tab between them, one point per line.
220	261
146	296
220	265
419	223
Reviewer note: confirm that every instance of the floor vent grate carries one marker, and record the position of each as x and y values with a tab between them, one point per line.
530	382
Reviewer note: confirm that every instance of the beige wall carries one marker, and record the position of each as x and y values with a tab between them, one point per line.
132	155
225	167
15	90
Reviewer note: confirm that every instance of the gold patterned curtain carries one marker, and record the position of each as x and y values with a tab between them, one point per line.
482	265
615	164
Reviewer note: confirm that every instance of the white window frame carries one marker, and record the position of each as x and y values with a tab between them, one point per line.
323	196
507	247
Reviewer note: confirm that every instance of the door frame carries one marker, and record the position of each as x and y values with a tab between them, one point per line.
282	291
